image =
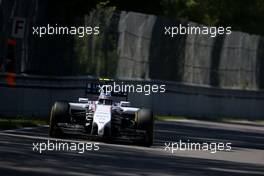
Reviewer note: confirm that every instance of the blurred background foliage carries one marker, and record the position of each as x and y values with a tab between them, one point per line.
97	54
242	15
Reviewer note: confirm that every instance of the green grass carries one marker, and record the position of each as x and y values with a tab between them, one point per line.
163	118
216	119
242	121
19	122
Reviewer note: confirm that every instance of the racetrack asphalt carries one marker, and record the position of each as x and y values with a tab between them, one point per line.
245	159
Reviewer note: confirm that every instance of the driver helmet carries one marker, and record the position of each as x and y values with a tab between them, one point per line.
105	99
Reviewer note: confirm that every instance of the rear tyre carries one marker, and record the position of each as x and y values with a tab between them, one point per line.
145	122
59	114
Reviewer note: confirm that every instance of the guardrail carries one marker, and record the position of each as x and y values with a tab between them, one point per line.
34	95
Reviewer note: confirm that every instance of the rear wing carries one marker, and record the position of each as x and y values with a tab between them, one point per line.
94	87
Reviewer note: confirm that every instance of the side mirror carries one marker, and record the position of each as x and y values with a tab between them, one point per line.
83	100
125	104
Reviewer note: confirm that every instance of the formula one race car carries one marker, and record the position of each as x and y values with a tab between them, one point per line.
102	118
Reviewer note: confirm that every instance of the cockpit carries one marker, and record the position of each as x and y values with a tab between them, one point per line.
105	102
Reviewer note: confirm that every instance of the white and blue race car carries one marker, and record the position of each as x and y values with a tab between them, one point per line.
102	118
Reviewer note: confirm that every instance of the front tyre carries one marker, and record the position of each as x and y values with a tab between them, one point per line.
145	122
59	114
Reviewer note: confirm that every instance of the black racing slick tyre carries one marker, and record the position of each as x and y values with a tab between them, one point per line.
145	122
59	114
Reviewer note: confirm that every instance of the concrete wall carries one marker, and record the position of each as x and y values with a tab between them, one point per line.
227	61
34	96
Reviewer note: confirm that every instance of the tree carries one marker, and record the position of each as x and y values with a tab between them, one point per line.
243	15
